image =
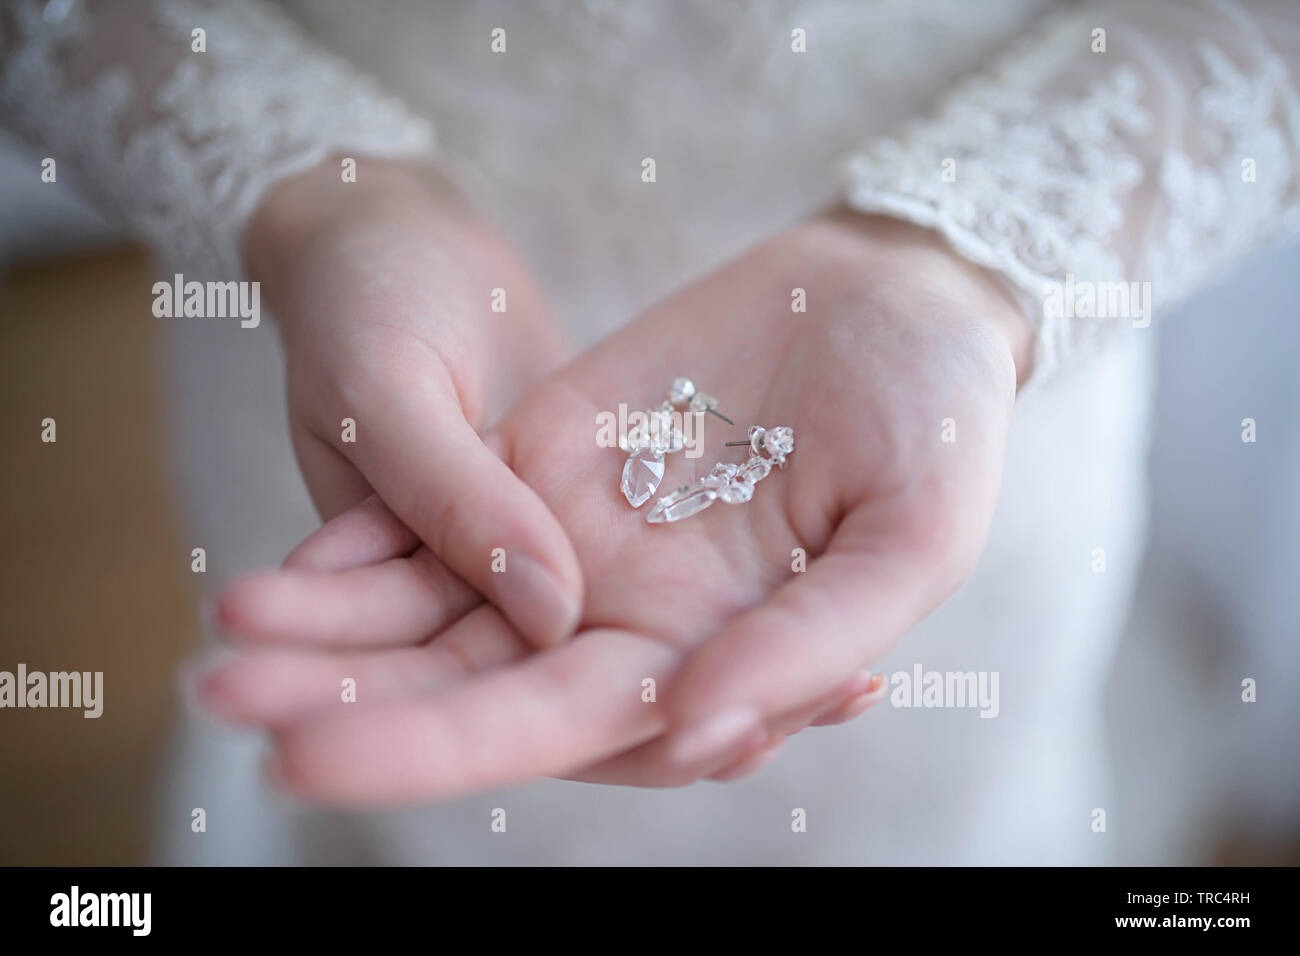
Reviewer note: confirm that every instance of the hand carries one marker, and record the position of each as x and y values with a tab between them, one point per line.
382	289
898	336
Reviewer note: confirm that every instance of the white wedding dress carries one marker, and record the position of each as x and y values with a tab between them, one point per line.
1160	150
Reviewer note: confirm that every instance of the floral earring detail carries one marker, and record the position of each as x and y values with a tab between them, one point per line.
644	469
729	482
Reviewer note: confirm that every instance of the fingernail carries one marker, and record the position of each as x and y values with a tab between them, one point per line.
860	702
216	620
714	736
193	678
863	682
536	602
210	698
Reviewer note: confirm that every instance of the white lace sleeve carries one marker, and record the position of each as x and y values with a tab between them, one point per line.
1092	169
180	132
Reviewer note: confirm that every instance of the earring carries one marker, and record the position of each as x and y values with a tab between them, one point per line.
729	482
644	469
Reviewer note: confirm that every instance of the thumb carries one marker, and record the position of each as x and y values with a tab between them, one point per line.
433	470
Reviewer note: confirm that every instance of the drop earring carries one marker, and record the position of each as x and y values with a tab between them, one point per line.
644	468
728	482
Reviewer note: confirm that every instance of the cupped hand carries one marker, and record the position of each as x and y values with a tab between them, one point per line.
704	642
407	326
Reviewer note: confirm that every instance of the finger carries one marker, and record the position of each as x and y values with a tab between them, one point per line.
855	706
792	722
395	602
277	688
849	607
466	504
333	482
658	763
652	764
554	711
364	534
751	762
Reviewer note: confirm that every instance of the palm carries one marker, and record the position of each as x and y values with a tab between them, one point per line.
889	516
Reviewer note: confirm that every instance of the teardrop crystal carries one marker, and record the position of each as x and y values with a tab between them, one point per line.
681	504
641	476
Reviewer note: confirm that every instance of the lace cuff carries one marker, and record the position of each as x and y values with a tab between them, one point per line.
1114	161
182	141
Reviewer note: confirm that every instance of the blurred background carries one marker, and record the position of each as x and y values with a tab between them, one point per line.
96	575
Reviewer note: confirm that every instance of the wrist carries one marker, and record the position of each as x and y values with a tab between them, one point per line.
895	246
296	211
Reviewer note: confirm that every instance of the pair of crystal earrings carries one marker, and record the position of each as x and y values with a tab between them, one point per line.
730	482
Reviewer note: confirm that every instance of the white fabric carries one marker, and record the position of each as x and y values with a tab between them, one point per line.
182	143
1124	164
1107	166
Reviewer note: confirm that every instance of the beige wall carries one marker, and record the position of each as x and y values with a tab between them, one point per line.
93	577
